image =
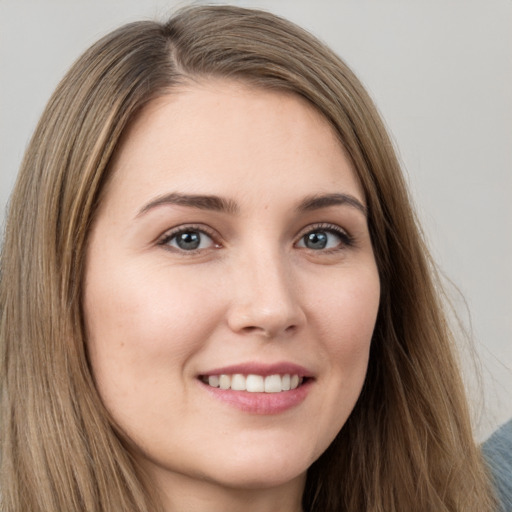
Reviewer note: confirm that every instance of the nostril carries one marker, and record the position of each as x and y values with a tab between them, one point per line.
252	328
267	332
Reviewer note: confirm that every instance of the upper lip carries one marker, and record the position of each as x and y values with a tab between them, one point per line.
253	368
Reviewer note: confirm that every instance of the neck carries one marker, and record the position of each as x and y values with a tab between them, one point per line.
183	493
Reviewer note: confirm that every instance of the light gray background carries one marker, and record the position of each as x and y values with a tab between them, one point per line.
440	72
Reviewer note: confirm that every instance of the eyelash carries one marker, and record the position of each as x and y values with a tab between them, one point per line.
346	239
191	228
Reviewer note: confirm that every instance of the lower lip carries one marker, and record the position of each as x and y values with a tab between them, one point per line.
261	403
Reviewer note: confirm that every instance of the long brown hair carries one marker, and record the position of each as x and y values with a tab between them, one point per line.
408	443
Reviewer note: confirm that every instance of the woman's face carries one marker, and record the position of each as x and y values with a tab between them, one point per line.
231	289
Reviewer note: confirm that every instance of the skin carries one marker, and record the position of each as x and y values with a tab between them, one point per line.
158	316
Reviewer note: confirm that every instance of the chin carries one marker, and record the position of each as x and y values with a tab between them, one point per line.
263	471
248	479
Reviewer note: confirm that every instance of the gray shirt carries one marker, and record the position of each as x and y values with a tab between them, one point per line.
497	451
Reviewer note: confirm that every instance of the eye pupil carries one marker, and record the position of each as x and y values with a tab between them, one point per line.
189	240
316	240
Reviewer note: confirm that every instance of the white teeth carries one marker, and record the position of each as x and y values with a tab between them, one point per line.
273	384
224	382
213	380
254	383
238	382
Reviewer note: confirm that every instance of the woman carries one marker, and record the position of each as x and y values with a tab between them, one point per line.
214	292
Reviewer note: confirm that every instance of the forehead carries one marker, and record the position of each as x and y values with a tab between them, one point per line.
209	134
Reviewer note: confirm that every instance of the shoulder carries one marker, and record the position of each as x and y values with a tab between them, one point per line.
497	451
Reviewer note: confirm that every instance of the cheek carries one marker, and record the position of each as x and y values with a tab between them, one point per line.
141	334
346	318
139	326
347	314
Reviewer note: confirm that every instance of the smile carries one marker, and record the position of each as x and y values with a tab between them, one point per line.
254	383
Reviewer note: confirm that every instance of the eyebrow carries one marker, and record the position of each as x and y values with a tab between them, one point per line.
220	204
201	202
317	202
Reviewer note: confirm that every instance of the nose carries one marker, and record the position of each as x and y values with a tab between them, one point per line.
266	299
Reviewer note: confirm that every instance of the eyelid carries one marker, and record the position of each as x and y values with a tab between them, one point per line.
163	239
346	238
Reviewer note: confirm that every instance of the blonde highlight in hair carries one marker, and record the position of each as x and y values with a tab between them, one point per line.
408	443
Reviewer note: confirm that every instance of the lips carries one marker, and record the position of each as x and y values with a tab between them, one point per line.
258	388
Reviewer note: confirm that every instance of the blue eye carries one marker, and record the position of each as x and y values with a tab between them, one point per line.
324	239
188	240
